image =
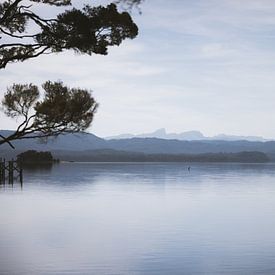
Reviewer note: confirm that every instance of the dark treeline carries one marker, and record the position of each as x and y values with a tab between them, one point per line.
33	156
122	156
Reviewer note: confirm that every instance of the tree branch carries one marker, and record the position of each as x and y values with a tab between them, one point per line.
27	55
17	36
9	10
6	140
20	45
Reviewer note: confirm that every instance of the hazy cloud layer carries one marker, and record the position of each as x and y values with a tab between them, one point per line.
206	65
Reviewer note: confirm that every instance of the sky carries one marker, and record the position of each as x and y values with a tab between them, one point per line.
205	65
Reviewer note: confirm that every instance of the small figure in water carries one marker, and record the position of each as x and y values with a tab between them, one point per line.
189	168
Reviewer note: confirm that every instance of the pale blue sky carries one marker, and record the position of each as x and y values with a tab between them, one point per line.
204	65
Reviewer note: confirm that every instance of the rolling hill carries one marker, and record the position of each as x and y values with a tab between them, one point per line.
77	144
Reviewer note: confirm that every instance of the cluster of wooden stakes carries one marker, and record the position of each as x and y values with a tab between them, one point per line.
10	171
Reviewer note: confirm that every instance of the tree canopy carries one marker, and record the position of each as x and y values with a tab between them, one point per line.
34	157
61	110
25	34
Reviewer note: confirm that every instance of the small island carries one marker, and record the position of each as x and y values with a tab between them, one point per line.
32	157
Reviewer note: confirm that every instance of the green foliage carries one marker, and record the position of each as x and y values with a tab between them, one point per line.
19	99
86	31
89	31
54	2
129	4
62	110
65	109
11	19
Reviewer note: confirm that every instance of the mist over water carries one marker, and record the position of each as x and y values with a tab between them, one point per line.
126	218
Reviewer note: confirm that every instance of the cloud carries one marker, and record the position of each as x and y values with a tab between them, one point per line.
206	65
216	50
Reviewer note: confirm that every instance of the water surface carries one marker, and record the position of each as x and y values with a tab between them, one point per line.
83	218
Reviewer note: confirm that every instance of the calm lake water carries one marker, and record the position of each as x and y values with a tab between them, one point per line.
83	218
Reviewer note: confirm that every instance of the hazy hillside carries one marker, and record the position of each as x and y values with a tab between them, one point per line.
188	135
154	145
76	142
86	142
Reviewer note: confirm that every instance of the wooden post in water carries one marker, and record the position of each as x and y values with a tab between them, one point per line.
12	168
1	171
21	175
4	171
11	171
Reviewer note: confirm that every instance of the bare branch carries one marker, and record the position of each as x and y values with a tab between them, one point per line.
6	140
17	36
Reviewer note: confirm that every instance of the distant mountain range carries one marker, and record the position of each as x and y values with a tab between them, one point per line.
73	146
189	135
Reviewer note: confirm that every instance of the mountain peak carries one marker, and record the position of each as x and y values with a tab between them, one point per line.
188	135
160	131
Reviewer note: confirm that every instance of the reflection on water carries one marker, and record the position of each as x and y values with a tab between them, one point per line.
82	218
47	166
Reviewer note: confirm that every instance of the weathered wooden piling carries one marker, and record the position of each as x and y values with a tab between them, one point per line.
11	174
1	172
10	170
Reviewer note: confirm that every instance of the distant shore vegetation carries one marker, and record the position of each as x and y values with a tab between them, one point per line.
35	157
123	156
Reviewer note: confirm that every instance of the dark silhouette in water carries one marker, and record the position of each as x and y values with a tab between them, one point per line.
10	171
33	160
33	156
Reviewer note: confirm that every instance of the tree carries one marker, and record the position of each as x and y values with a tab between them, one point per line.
62	110
129	4
34	157
86	31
